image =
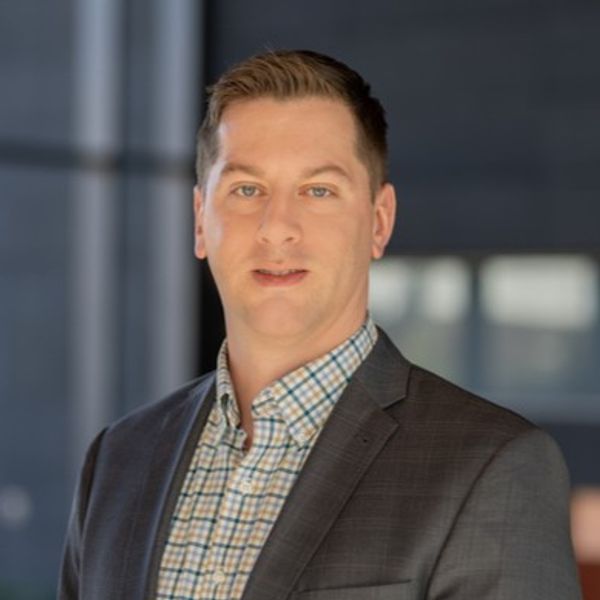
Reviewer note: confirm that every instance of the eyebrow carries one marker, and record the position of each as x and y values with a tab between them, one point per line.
235	167
327	168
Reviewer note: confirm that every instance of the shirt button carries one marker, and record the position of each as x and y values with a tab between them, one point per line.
246	486
218	576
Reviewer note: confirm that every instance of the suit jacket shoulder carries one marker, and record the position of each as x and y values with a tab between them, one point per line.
126	491
444	406
426	400
145	419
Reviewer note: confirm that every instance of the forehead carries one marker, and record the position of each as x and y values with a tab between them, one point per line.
312	124
296	107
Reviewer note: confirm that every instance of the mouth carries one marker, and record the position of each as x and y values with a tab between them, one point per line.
279	272
279	277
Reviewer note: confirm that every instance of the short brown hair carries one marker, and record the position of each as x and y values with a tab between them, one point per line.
287	74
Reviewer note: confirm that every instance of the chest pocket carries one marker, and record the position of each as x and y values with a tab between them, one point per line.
394	591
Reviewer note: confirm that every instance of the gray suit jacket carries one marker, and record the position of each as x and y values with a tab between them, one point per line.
415	489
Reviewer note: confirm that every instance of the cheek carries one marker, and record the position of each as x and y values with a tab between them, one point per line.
215	233
229	242
348	243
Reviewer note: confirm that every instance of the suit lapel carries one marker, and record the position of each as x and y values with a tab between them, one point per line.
351	439
172	452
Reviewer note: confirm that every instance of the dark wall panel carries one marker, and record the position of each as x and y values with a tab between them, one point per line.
37	86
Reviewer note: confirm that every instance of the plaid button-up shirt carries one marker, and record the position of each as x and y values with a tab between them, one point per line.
230	498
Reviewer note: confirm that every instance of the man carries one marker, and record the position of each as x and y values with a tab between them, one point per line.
316	463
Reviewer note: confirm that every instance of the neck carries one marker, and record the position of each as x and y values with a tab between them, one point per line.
257	360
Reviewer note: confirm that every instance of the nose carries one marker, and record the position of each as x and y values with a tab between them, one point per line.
279	224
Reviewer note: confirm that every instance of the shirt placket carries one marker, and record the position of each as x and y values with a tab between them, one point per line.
224	547
191	559
257	477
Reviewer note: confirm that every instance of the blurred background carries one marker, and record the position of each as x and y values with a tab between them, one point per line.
492	279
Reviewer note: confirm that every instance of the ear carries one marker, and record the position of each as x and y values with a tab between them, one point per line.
199	243
384	217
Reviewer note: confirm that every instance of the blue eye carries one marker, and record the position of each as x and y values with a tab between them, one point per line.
247	191
318	191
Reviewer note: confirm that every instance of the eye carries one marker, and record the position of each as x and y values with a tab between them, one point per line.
319	191
247	191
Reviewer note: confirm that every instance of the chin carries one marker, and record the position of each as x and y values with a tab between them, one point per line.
279	322
281	329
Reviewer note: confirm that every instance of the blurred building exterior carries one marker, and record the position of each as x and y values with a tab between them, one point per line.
493	278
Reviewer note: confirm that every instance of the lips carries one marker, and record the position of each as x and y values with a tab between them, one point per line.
279	273
279	277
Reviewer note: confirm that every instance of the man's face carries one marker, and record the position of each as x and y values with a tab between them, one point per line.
287	221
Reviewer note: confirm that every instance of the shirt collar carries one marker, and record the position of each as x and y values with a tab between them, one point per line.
304	397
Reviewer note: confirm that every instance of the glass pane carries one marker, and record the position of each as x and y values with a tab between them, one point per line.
540	335
424	304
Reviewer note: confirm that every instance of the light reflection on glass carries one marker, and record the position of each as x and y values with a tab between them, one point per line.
435	289
423	304
554	292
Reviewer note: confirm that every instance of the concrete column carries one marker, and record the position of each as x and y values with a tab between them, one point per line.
93	249
173	298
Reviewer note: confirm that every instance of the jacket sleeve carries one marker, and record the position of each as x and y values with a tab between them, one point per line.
511	538
68	585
